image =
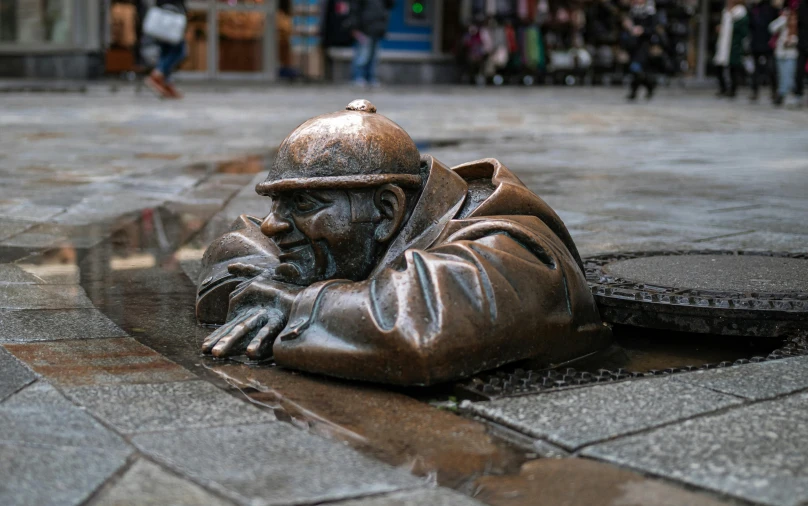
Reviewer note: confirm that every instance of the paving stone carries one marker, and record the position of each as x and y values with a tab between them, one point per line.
10	228
757	452
136	408
82	362
272	464
146	483
39	476
43	297
418	497
39	415
583	482
13	374
754	381
582	416
393	427
10	273
46	325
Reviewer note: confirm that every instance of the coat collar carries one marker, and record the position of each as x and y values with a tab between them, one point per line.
440	200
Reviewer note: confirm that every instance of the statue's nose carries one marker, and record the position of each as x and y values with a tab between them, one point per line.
274	224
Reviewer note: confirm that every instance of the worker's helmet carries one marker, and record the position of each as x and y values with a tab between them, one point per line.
353	148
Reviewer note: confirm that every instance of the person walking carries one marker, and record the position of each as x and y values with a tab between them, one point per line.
761	15
732	31
786	51
367	22
171	55
802	48
644	41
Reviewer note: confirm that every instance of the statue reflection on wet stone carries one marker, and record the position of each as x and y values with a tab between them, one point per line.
379	264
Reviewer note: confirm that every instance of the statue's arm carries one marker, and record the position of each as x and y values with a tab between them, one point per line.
453	310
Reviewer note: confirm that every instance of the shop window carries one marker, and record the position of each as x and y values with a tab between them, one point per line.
36	21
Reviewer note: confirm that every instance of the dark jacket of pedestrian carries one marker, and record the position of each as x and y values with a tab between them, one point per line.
760	16
369	17
802	25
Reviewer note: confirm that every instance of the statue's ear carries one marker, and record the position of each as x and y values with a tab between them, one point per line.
391	203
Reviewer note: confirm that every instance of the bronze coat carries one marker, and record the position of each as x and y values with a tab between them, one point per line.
483	273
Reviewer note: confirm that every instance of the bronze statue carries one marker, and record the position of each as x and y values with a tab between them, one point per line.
376	263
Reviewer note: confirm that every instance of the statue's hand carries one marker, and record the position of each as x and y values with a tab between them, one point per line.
259	310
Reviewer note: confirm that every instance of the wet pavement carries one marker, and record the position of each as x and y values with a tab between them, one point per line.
107	201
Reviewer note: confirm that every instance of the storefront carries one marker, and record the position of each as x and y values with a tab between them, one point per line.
51	38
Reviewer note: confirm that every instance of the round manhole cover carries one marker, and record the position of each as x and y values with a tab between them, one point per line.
716	292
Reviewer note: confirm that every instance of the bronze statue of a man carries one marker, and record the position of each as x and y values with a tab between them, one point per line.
376	263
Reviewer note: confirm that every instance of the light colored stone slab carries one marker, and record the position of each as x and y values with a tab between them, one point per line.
758	453
146	484
13	374
272	464
43	297
54	324
581	416
136	408
754	381
418	497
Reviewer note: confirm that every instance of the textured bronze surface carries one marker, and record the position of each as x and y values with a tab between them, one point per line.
376	263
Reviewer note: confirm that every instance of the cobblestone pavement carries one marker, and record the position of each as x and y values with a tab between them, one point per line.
108	199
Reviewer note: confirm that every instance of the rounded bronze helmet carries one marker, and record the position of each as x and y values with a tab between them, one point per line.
353	148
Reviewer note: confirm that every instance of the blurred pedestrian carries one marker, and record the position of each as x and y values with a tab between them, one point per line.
786	51
367	21
802	47
732	31
761	15
171	55
644	40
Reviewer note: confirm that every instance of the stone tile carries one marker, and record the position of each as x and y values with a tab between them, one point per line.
30	325
41	416
757	452
13	374
754	381
80	362
146	483
10	228
12	274
33	239
43	297
272	464
582	416
418	497
38	476
137	408
583	482
395	428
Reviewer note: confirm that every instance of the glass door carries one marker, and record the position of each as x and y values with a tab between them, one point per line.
231	39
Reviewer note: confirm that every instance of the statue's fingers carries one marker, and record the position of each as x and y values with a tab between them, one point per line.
219	333
238	334
261	345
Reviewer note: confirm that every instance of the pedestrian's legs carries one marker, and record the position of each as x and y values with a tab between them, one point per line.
372	62
771	71
722	80
800	73
170	56
787	67
362	54
757	74
735	73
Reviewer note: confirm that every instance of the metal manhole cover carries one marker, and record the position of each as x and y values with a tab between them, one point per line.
758	294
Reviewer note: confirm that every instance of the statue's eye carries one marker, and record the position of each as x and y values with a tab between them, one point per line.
304	203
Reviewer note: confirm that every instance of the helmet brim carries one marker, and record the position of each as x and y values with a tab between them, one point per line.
337	182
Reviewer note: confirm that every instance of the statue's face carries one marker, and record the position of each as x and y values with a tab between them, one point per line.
325	234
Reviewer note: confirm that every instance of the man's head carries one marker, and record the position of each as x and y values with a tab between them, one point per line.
342	186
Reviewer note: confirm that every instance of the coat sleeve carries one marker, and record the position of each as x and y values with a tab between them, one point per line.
452	310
